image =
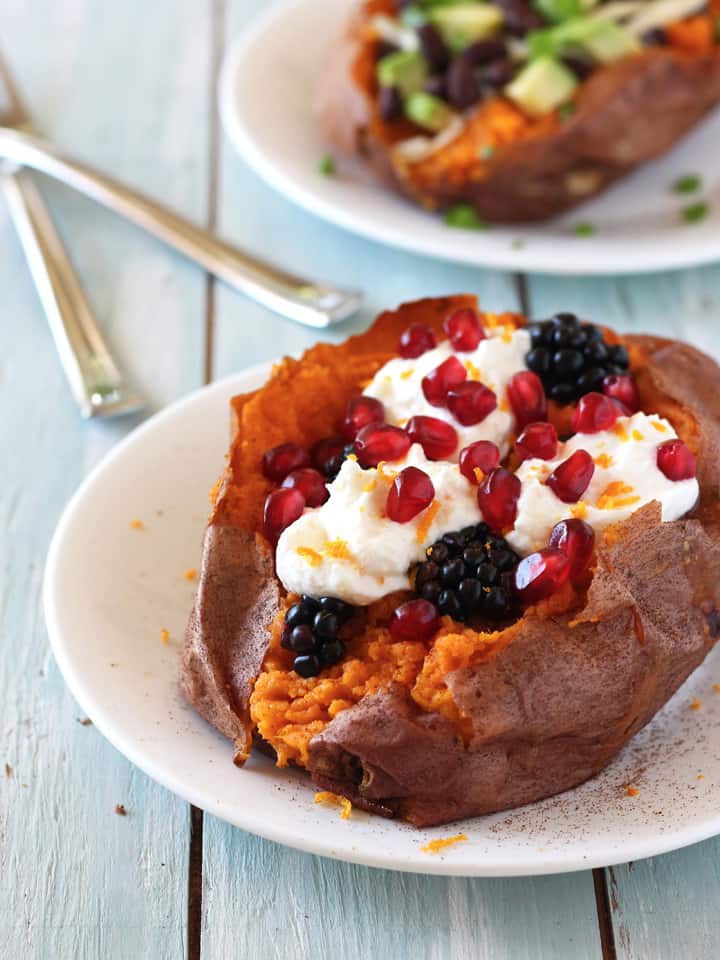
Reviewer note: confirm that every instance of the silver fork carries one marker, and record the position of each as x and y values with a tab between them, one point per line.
96	383
311	303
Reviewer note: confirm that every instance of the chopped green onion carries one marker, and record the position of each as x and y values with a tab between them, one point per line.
486	151
326	166
518	244
559	10
584	229
464	216
566	111
687	184
695	212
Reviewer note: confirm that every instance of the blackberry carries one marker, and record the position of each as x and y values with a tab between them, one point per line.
572	358
311	632
329	455
468	574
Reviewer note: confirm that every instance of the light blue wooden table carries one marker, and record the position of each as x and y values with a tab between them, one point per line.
129	85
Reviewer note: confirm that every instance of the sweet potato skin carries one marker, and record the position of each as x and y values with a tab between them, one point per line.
556	702
626	114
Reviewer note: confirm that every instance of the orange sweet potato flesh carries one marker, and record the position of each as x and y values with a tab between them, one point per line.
626	113
471	722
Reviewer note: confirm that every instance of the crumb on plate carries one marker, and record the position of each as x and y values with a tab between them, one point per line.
334	800
435	846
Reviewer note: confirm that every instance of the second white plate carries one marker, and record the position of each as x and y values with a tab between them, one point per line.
111	588
266	93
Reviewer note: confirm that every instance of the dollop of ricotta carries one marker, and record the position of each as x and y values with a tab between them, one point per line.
348	548
626	478
398	385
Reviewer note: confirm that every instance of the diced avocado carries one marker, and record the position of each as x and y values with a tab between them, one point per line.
610	43
427	111
464	23
404	69
542	86
605	41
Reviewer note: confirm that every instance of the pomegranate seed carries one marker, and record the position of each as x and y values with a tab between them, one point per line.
280	461
482	455
438	439
570	479
576	539
527	397
464	330
540	574
414	620
537	440
622	388
451	373
415	341
594	413
359	413
675	460
411	492
328	454
471	402
282	508
380	441
310	483
497	498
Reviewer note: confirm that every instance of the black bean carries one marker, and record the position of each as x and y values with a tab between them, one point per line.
519	18
473	556
462	87
484	51
580	67
497	74
656	36
390	106
433	46
437	86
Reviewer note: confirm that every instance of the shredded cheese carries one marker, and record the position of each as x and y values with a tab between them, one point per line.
334	800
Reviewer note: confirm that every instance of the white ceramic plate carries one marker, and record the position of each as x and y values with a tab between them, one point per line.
110	589
266	92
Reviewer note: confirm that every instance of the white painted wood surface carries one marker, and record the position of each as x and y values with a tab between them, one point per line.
128	86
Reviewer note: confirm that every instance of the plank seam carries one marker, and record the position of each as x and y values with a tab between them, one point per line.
217	37
604	913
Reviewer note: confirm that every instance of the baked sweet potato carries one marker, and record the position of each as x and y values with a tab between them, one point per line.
478	719
511	166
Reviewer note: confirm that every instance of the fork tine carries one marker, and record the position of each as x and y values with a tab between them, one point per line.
13	111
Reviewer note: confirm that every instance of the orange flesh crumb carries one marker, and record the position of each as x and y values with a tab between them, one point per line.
435	846
137	525
632	791
696	704
334	800
164	636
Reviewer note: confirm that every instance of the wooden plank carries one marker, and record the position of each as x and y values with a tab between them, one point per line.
260	899
125	86
265	900
665	906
